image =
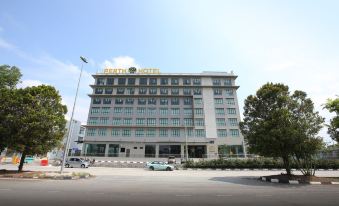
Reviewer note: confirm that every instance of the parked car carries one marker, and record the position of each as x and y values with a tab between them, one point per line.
76	162
171	160
29	159
157	165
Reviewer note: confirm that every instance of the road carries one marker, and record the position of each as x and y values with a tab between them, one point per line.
127	186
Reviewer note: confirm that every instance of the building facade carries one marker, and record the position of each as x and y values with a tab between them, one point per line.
141	115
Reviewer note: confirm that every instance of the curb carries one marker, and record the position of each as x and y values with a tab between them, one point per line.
295	182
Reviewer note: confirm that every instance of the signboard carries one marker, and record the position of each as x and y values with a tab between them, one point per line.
131	70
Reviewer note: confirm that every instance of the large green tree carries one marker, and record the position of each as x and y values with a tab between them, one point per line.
277	124
9	76
332	105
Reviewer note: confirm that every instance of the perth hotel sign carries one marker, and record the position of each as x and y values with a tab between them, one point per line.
131	70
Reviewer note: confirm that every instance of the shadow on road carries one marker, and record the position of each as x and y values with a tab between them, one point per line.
253	181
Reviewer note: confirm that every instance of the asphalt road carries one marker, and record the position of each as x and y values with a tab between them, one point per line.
141	187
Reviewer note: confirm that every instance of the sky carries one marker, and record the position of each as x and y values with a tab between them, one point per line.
290	42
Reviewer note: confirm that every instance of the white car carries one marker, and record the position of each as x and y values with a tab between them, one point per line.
76	162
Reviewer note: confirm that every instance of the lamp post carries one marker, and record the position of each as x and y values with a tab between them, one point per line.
83	59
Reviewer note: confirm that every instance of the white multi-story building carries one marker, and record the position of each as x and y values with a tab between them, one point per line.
157	115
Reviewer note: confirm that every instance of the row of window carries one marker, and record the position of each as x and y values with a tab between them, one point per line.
218	82
144	101
219	92
229	101
148	81
152	132
152	91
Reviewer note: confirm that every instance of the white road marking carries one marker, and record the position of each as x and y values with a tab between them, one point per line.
183	195
53	191
5	189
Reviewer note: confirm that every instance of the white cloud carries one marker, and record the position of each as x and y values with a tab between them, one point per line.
29	83
120	62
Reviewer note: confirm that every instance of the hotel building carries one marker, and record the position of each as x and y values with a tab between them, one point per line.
156	115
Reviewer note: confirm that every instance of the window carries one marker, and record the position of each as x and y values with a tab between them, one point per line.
163	132
197	101
110	81
127	121
175	101
119	101
230	101
188	111
174	91
117	110
216	82
139	132
222	133
196	81
116	121
102	132
100	81
140	121
152	90
141	101
175	132
199	122
129	101
234	132
163	111
164	81
129	110
188	121
98	90
200	133
108	90
131	81
163	101
175	111
152	101
197	91
107	101
231	111
163	121
229	92
188	101
141	111
189	132
96	101
198	111
93	121
116	132
228	82
126	132
121	81
130	90
163	91
143	81
233	121
142	90
187	91
153	81
152	111
105	110
150	132
91	131
151	121
218	101
175	121
120	90
221	122
174	81
217	91
104	120
95	110
186	81
220	111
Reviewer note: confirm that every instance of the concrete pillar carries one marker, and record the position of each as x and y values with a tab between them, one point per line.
106	150
182	151
157	150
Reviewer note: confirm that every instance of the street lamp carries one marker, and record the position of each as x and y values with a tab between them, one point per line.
84	60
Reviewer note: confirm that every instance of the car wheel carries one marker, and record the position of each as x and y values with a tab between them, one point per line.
82	166
168	169
67	165
152	168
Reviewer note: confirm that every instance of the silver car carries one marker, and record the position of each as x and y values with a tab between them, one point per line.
76	162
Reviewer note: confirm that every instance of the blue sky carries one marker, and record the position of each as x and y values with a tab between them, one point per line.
292	42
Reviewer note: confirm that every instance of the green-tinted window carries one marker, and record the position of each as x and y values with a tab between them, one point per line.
222	133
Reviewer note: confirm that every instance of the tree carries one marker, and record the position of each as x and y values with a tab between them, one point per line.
278	124
9	76
333	127
32	120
